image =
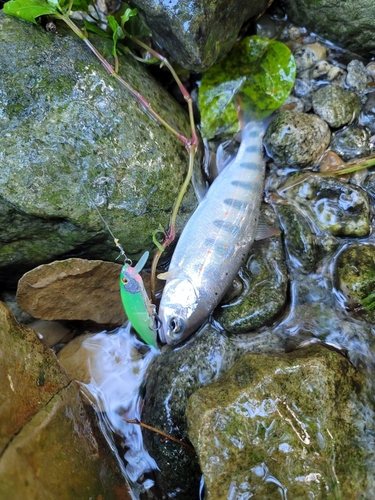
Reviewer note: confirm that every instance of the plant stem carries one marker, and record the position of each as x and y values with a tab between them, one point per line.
190	144
108	67
171	233
164	434
184	92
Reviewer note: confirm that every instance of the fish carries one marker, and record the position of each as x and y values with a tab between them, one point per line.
137	305
215	241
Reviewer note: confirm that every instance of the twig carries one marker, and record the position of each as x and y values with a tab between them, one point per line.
167	436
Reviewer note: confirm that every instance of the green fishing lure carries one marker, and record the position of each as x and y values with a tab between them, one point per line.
136	303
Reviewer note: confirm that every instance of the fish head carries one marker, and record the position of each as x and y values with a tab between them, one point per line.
179	311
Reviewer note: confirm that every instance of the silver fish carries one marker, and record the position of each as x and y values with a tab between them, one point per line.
215	242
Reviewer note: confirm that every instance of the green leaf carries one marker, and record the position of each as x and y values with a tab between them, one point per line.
117	32
29	10
95	29
127	15
369	302
259	70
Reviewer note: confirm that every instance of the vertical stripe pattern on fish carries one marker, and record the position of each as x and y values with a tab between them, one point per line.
215	242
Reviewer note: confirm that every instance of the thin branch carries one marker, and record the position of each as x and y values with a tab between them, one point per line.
167	436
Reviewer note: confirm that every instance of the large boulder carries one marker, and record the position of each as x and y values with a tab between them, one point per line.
71	138
351	23
282	425
197	33
51	445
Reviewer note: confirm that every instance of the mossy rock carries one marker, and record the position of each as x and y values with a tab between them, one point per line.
73	138
293	424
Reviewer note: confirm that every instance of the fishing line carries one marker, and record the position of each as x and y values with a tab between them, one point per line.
116	240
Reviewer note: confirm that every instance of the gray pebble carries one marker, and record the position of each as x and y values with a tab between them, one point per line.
357	76
351	142
335	105
296	139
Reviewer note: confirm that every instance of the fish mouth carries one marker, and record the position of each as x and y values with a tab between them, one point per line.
174	332
161	335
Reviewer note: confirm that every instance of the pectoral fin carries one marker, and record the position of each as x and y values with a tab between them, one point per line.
168	274
264	230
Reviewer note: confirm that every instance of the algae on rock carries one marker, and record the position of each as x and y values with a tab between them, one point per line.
299	424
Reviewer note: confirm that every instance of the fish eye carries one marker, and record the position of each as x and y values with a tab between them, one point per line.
176	326
124	281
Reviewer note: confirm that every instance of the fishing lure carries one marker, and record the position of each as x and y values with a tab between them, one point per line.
138	307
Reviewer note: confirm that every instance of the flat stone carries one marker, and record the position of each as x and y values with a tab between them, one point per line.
73	289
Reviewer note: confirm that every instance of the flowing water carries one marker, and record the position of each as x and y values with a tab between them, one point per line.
117	362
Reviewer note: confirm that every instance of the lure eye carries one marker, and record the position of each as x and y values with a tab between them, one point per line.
176	326
124	281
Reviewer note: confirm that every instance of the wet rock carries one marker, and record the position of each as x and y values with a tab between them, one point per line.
302	88
355	278
333	206
50	443
351	142
197	33
314	316
357	76
337	76
294	104
266	27
81	140
171	379
367	116
29	375
299	239
307	55
265	284
51	332
296	139
350	24
73	289
371	69
60	454
292	424
369	184
320	69
335	105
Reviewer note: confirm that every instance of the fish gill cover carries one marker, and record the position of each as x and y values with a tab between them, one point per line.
260	70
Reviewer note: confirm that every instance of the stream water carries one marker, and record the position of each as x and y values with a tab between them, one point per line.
116	363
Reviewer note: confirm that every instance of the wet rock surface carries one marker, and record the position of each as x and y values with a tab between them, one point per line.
197	33
272	424
355	278
80	141
340	209
335	105
350	23
47	434
299	240
171	379
351	142
264	291
296	139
